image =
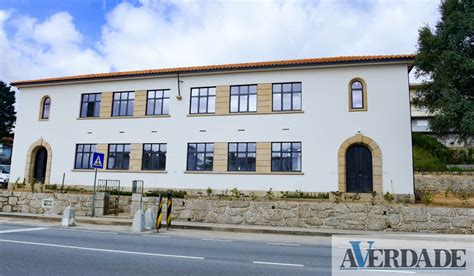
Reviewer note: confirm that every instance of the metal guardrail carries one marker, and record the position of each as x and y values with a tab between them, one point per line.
108	185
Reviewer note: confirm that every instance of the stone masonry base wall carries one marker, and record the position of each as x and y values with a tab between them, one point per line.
440	182
347	216
310	214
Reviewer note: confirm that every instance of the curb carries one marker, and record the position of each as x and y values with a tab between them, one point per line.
175	225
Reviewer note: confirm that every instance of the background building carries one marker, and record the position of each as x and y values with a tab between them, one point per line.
420	120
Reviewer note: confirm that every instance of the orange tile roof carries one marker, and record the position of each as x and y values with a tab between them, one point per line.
224	67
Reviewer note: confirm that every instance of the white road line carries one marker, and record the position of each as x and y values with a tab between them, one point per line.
156	236
22	230
282	264
284	244
216	240
102	249
90	231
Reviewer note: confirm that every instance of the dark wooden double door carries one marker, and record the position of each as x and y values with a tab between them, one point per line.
41	159
359	170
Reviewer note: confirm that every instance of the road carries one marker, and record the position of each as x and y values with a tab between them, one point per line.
27	249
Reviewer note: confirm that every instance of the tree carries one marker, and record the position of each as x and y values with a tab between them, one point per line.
446	58
7	110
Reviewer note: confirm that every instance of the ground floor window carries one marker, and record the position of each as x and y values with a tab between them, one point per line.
154	157
83	158
242	157
200	156
286	156
118	157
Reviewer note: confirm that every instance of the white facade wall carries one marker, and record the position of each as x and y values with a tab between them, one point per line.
324	125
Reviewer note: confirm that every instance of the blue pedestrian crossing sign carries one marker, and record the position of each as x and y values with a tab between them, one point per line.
98	160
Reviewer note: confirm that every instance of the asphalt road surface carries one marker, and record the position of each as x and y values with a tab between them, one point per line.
42	250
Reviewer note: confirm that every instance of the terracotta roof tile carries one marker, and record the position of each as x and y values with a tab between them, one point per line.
224	67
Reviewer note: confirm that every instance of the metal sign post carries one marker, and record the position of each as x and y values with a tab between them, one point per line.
97	163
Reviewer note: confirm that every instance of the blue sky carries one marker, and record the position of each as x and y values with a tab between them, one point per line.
47	38
88	14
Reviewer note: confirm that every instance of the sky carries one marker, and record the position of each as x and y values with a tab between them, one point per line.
52	38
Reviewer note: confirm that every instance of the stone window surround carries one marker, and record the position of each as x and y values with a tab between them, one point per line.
364	95
41	109
360	139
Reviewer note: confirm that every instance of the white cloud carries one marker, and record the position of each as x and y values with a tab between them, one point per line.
44	49
156	34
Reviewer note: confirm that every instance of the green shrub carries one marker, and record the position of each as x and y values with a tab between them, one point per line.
388	197
433	146
425	161
164	193
301	194
123	193
444	154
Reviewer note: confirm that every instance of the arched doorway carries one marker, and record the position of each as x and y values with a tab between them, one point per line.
39	168
359	169
366	152
38	162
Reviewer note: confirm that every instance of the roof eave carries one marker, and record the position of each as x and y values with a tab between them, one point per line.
406	60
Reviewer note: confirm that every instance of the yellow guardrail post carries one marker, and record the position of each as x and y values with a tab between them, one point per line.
168	212
159	216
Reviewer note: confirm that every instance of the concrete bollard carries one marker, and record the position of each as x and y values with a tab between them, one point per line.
69	217
150	219
138	222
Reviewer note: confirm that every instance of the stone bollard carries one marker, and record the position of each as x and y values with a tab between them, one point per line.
150	219
138	222
69	217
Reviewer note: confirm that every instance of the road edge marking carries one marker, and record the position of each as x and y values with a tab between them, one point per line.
103	249
22	230
281	264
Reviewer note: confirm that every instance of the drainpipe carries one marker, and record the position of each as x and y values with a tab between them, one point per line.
179	97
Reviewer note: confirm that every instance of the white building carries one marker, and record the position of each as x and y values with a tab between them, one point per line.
315	125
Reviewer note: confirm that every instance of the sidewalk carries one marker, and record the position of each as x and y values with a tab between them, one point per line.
120	221
126	223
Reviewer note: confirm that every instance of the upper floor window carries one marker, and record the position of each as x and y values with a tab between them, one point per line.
154	157
118	157
90	105
358	95
84	154
45	108
242	157
123	104
286	96
203	100
200	156
286	157
158	102
243	98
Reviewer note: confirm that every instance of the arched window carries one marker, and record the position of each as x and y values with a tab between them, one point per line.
357	95
45	108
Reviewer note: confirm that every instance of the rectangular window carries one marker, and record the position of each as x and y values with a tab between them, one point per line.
119	157
83	158
123	104
200	156
203	100
158	102
242	157
287	96
154	157
90	105
243	98
286	157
